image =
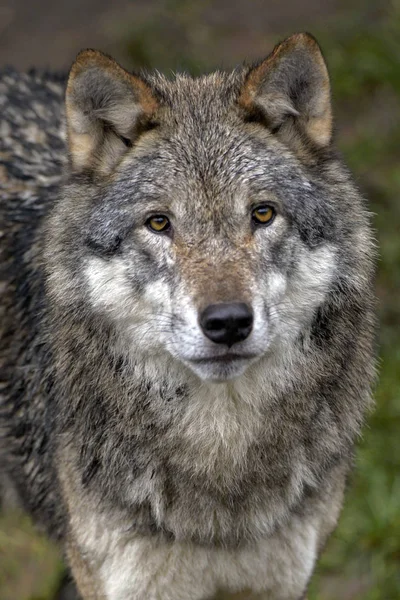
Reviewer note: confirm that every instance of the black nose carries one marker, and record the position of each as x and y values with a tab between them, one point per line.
227	323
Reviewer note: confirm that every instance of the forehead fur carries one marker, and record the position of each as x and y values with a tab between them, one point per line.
203	97
203	142
201	125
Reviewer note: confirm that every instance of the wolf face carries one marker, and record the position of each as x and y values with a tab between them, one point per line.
215	263
204	229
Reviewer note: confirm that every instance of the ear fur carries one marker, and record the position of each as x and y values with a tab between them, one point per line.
105	105
290	90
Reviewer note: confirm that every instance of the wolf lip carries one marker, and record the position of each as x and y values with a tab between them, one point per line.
225	358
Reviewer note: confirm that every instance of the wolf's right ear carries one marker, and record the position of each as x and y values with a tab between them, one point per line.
105	108
290	92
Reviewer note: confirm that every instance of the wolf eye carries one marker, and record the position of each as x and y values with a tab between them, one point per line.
263	215
158	223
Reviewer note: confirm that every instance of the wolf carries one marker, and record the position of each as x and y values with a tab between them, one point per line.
188	322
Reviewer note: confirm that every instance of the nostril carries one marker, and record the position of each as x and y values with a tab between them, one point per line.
227	323
245	321
214	324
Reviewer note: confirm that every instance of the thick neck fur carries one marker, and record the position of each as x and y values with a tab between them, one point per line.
195	460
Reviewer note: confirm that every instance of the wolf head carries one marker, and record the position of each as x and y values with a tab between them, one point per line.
202	217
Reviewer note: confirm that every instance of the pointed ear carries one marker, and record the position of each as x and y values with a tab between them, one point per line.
105	108
290	92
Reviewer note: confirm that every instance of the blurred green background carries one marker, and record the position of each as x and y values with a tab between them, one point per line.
361	42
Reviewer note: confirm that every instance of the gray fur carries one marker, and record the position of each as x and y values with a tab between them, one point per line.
116	430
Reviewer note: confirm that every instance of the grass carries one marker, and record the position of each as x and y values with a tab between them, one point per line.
363	557
30	567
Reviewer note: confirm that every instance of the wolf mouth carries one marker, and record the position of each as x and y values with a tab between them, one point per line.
224	359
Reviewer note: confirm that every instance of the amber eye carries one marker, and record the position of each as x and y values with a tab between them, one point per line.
263	215
158	223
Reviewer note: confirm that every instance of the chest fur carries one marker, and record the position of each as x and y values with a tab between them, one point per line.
137	567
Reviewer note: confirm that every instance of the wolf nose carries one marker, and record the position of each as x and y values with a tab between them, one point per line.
227	323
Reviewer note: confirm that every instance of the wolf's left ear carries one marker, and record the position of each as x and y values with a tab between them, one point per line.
290	92
105	107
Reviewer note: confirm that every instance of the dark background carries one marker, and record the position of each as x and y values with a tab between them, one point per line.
361	42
